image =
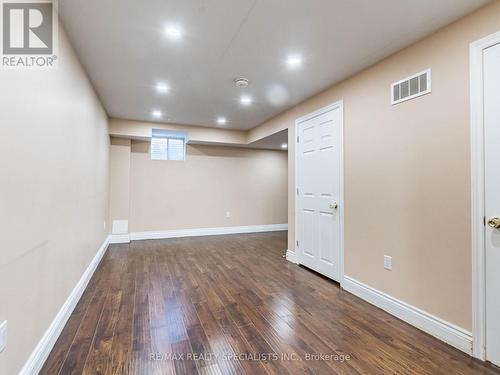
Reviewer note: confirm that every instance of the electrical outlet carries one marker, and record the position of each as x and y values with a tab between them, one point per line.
3	336
228	214
388	262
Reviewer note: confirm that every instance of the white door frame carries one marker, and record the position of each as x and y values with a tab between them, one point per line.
477	188
337	105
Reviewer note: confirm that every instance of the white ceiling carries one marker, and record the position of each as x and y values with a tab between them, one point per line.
122	45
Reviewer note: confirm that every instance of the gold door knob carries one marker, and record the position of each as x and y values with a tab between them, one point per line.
494	222
334	205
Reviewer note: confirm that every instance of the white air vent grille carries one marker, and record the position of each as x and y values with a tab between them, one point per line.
411	87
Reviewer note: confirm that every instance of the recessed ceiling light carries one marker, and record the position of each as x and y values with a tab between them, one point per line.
294	61
221	121
241	82
162	88
246	100
284	145
157	113
173	32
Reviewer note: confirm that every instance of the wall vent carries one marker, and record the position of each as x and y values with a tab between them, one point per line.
411	87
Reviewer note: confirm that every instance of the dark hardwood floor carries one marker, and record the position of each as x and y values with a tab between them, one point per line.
233	305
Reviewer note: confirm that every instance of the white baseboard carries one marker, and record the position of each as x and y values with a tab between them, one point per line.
154	235
445	331
45	345
119	238
291	256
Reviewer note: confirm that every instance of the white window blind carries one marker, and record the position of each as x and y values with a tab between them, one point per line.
175	149
167	145
159	147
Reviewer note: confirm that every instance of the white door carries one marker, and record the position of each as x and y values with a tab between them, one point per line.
319	191
492	200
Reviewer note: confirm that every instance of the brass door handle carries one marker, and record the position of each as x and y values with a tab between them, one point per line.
494	222
334	205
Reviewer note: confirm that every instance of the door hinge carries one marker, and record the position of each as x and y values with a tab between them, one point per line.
484	220
298	191
297	139
297	243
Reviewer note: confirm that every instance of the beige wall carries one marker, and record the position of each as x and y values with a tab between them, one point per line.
197	193
407	172
119	179
53	195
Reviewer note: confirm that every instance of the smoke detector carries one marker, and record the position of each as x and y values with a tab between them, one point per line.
241	82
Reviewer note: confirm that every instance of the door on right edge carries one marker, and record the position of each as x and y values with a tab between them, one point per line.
491	59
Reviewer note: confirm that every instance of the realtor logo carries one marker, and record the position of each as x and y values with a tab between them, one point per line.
29	34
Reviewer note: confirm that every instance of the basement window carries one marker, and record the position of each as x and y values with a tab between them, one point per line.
168	145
